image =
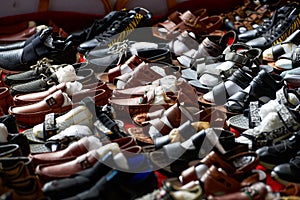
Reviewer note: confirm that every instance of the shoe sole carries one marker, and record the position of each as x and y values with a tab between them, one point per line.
281	181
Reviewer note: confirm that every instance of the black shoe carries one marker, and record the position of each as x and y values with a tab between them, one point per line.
126	23
98	27
279	153
80	182
10	150
10	122
19	45
150	55
279	31
41	69
279	14
18	60
123	184
289	172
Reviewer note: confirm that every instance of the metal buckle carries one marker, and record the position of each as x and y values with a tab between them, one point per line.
51	101
85	164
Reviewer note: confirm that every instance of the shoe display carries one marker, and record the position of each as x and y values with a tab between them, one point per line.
199	102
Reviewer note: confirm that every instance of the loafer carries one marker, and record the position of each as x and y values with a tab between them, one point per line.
21	44
49	172
74	150
33	114
79	182
128	184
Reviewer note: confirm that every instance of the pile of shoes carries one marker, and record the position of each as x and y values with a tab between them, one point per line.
195	106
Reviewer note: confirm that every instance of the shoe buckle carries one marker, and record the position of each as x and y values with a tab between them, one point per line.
51	101
85	164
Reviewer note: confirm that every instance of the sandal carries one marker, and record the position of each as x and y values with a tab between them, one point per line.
166	120
165	30
238	81
175	157
262	88
287	46
211	75
211	46
289	60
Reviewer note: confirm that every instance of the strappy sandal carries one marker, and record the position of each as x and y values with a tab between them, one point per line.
287	46
165	30
238	81
289	61
262	88
166	120
253	19
211	75
212	46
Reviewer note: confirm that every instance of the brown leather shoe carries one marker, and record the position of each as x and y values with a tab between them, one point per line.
50	172
33	114
6	99
236	166
87	90
216	182
257	191
74	150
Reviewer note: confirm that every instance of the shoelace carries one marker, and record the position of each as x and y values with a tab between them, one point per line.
41	65
119	48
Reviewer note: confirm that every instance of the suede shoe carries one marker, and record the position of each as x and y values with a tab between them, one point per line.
270	156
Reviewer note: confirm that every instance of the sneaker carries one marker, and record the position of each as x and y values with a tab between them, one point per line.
279	153
126	23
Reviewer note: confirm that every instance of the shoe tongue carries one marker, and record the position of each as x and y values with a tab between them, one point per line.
3	133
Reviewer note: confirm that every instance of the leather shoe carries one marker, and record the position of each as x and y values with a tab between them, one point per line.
10	150
79	182
74	150
49	172
6	99
33	114
288	172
